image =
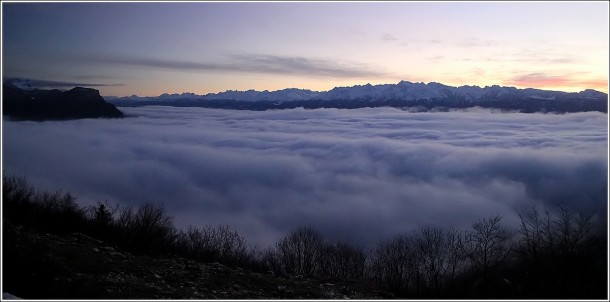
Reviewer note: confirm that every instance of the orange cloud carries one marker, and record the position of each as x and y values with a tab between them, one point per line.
541	80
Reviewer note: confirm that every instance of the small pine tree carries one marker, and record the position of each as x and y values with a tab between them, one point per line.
102	216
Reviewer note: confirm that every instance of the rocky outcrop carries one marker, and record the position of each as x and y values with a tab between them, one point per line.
42	105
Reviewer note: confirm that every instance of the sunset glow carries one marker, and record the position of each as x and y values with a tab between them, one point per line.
152	48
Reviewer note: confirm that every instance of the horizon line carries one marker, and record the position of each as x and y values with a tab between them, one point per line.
360	85
49	84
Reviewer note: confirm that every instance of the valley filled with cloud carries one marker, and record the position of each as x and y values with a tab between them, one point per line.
359	176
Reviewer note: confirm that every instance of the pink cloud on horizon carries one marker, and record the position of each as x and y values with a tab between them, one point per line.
542	80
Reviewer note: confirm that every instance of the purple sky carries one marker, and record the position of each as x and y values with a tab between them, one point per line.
151	48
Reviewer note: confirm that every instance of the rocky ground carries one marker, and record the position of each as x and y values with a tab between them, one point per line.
75	266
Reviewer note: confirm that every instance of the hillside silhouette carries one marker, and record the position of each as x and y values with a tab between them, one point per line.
56	249
40	105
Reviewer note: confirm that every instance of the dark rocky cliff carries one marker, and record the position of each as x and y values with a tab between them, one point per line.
42	105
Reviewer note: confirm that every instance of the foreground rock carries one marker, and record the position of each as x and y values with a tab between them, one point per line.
76	266
42	105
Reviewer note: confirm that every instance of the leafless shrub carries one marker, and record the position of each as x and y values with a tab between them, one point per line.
214	244
394	263
148	230
299	252
342	260
16	190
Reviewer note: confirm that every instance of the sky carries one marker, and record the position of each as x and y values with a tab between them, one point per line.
148	49
357	176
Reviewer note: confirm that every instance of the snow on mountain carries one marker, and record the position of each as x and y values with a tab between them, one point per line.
420	91
288	94
540	94
471	93
24	84
590	93
355	92
177	96
409	91
404	90
402	94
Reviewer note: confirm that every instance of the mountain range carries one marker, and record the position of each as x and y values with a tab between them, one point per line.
419	96
22	100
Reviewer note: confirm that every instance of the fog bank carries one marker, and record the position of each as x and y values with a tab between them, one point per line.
357	175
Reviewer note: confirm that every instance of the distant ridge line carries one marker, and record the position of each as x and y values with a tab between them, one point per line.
404	94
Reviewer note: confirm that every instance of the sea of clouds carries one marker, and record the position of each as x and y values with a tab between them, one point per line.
356	175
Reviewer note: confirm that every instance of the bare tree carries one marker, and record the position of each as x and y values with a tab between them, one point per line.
533	234
125	218
487	245
16	190
560	251
433	256
342	260
147	230
394	263
270	260
299	252
561	233
456	253
572	230
214	243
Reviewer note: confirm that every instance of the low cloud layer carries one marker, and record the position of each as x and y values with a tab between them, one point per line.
357	175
